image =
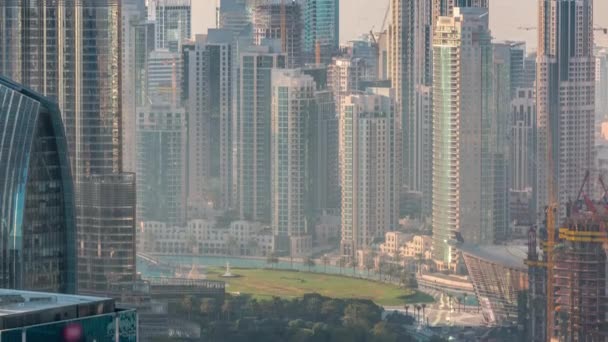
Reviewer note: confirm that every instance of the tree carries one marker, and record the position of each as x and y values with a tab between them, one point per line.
208	306
341	263
465	295
354	264
325	261
232	245
423	306
227	309
187	304
272	259
418	308
308	261
407	308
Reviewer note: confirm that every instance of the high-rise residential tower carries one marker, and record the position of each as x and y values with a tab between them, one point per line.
565	92
210	119
235	16
292	103
37	222
464	133
321	30
369	175
267	24
161	164
172	21
164	74
251	132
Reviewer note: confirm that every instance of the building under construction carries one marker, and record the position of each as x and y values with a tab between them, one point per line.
578	297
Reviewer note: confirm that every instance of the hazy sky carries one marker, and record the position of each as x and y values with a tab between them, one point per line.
359	16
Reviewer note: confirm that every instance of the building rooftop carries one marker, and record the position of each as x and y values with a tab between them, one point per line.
512	256
14	302
25	308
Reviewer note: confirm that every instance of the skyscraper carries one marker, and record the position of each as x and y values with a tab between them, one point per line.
37	227
321	29
344	76
106	233
267	24
161	164
565	91
235	16
410	70
164	74
324	180
172	21
79	37
210	118
601	84
133	15
292	102
464	133
251	132
369	180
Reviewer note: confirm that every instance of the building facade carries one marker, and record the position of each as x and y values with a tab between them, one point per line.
251	132
39	316
464	136
369	183
292	103
106	234
38	227
161	164
267	25
321	30
210	119
164	77
565	93
173	22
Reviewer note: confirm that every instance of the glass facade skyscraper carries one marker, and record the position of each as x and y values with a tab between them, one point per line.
321	29
77	63
37	231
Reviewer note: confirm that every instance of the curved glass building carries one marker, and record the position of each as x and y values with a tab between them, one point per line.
37	227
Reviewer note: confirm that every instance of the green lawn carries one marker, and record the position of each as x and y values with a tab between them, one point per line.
265	283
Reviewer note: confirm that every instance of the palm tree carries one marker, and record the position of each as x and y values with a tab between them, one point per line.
325	261
407	309
272	259
423	313
354	264
341	263
187	304
418	308
308	261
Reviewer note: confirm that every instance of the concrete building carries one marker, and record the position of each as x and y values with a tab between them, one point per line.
369	179
292	103
601	84
251	132
210	110
267	26
161	164
463	174
321	30
173	19
523	148
38	196
344	76
393	241
565	94
164	74
39	316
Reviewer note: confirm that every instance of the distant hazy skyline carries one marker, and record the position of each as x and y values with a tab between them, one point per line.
360	16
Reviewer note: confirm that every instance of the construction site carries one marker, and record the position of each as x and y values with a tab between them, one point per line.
567	296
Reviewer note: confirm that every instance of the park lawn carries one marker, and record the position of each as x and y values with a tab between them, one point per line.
265	283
